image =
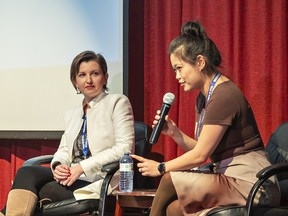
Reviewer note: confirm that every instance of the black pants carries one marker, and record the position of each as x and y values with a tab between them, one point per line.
40	180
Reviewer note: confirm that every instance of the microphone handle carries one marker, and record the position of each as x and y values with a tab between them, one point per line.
158	128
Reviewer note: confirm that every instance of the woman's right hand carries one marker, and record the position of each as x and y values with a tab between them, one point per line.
169	127
61	172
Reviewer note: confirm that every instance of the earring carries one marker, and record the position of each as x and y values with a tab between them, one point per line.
78	91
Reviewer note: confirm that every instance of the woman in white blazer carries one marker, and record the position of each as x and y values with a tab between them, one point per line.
98	131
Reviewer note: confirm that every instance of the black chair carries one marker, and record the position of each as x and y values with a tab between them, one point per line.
277	149
92	206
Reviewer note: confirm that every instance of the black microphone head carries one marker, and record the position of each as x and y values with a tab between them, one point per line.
169	98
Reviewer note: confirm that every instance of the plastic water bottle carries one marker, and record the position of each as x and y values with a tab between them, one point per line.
126	173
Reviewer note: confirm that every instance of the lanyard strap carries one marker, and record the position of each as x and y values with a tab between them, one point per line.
203	112
84	137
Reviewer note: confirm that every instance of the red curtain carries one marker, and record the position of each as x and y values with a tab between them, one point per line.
252	38
12	155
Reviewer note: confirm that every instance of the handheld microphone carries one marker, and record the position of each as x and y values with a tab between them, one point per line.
168	100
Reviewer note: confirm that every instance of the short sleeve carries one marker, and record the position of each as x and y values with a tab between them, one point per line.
223	106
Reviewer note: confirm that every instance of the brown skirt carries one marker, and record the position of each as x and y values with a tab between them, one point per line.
230	184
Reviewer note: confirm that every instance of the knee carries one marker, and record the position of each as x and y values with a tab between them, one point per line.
22	172
25	175
166	181
174	209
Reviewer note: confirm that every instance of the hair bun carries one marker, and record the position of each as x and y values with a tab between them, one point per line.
194	29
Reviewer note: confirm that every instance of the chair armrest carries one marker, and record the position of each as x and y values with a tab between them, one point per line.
44	159
262	176
110	169
272	170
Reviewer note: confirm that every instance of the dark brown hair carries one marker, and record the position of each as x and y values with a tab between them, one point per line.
194	41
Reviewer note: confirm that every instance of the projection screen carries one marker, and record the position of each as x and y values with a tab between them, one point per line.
38	41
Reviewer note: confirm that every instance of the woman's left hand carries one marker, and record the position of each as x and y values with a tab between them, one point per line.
147	167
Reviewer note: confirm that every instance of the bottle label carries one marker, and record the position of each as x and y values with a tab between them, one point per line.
126	167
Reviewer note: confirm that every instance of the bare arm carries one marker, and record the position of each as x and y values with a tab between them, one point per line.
183	140
206	144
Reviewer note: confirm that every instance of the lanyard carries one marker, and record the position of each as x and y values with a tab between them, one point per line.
203	112
84	137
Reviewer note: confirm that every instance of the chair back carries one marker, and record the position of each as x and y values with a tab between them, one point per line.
142	134
143	149
277	149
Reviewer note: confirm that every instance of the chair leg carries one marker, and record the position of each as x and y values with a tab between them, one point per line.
118	210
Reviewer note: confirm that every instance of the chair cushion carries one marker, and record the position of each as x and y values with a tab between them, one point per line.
70	207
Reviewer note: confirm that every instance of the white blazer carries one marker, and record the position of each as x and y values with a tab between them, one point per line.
110	133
